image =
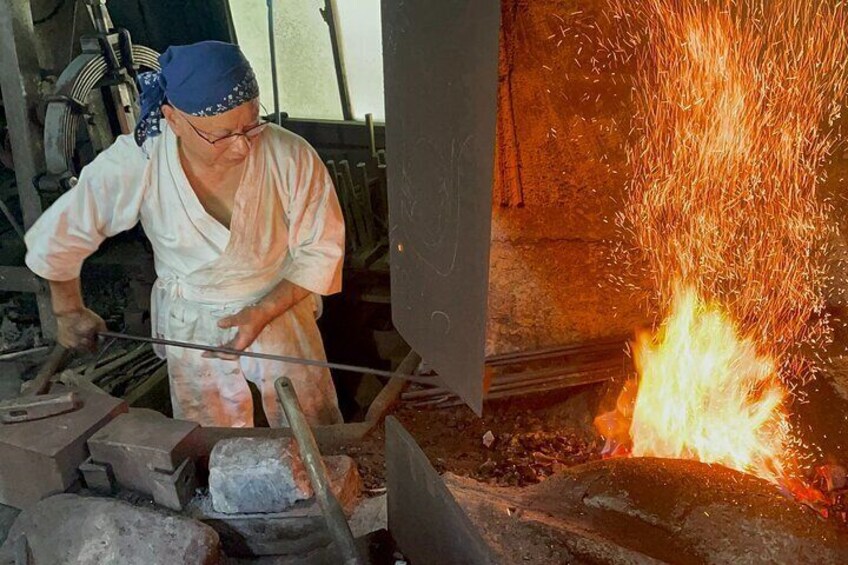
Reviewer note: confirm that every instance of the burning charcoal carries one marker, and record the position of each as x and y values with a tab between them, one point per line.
488	439
527	474
487	468
542	459
833	477
558	467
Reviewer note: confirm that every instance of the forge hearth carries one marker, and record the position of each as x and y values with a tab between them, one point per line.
640	510
621	510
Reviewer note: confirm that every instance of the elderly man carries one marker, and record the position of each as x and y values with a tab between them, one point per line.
246	231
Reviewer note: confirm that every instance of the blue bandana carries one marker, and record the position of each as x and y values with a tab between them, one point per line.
204	79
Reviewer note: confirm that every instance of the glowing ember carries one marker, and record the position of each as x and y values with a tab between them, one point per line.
735	99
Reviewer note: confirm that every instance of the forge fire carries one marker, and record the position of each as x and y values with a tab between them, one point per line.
423	282
736	104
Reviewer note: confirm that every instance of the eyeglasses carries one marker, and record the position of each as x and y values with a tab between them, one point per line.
250	133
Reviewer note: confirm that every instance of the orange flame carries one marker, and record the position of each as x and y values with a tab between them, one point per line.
704	394
735	99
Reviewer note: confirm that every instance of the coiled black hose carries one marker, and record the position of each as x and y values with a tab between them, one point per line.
63	116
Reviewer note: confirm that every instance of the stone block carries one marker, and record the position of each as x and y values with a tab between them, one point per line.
90	531
42	457
345	481
297	531
251	475
370	515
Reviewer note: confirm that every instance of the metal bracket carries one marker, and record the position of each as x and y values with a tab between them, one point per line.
127	57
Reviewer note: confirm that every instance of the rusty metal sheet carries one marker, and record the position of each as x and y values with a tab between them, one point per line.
441	71
424	518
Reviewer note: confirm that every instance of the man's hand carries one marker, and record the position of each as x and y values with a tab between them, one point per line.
78	329
250	323
253	319
78	326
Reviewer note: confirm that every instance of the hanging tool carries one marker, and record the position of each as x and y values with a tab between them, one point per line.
272	357
273	50
36	404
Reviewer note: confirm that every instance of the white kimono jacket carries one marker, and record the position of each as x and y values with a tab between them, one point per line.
286	224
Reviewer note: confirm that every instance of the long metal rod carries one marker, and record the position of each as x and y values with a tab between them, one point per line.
271	357
273	43
522	379
317	471
591	347
341	76
11	218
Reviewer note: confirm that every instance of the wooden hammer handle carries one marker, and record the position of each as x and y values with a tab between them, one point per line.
55	363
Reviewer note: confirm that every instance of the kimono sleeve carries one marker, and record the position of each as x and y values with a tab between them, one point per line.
106	201
316	227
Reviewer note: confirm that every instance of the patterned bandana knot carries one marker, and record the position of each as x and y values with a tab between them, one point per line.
203	79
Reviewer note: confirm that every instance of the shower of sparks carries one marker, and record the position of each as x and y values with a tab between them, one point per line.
735	102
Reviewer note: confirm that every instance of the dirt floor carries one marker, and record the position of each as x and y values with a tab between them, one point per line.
531	438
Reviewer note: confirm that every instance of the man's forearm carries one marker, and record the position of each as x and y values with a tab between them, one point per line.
66	296
285	295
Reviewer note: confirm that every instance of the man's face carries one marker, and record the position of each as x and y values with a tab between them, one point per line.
212	138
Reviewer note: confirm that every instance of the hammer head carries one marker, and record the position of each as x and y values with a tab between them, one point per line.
30	408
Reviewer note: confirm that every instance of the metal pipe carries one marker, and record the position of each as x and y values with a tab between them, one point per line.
11	218
331	509
341	77
272	42
372	137
269	356
609	345
514	389
100	17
